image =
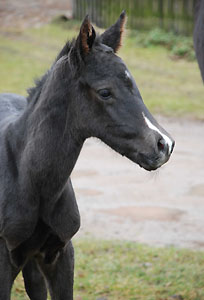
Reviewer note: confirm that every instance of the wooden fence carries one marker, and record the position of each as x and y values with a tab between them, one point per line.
176	15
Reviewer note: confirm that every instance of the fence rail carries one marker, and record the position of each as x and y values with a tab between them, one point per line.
176	15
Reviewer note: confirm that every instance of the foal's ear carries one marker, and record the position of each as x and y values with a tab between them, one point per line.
112	36
86	37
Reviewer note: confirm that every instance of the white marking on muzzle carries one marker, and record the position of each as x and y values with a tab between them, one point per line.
153	127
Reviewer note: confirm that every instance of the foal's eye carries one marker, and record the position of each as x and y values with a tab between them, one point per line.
105	94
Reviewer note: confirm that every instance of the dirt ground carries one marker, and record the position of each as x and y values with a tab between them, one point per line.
23	13
119	200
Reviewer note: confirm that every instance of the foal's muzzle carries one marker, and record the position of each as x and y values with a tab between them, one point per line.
160	157
156	157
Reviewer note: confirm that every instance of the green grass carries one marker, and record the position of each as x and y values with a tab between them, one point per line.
168	86
129	271
179	46
25	56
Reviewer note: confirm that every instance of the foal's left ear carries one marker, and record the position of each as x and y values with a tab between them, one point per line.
86	37
112	36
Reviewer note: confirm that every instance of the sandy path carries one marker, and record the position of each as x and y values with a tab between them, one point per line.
119	200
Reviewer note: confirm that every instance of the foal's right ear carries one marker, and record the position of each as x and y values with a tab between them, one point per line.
86	37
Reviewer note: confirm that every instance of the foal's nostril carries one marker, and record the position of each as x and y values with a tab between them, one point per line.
162	145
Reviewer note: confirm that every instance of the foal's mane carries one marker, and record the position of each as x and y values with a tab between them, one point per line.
34	92
71	52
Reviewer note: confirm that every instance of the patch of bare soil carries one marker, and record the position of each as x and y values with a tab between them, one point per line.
23	13
119	200
150	213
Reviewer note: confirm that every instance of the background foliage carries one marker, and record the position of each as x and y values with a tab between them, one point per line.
174	15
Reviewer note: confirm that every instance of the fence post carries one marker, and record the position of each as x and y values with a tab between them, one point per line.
160	11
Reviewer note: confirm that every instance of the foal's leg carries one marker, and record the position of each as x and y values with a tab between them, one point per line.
7	272
59	274
34	281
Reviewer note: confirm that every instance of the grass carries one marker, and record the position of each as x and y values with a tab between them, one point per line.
168	86
114	270
179	46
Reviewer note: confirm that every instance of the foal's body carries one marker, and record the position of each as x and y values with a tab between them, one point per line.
40	141
38	220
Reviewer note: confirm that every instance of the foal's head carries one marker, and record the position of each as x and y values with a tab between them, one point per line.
108	103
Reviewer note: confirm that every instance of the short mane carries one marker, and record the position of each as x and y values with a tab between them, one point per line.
34	92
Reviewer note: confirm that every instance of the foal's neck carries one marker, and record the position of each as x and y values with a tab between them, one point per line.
51	141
